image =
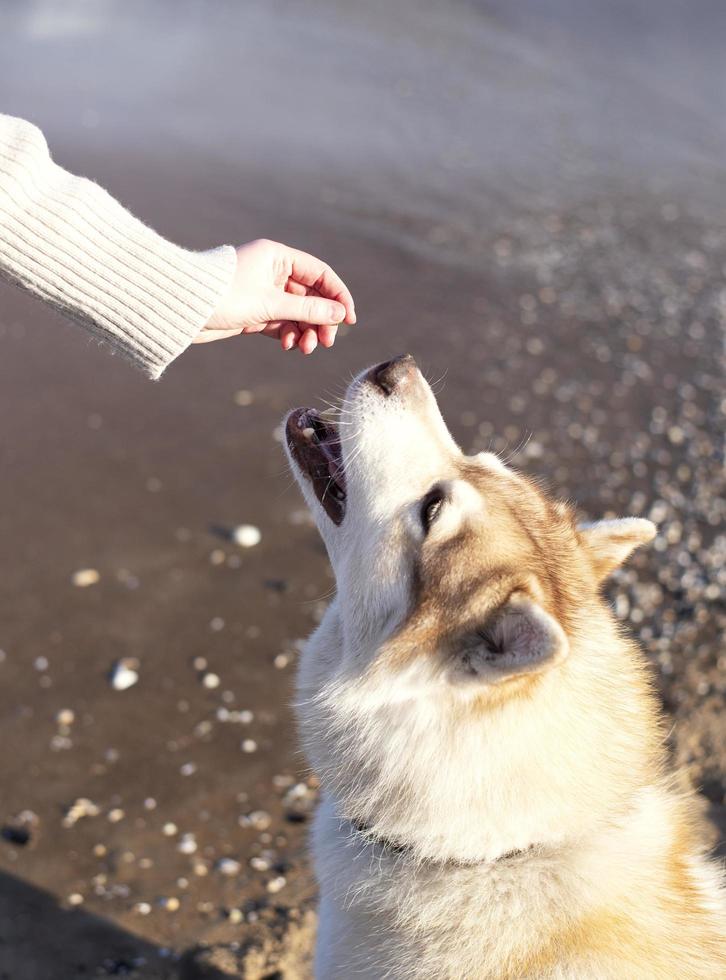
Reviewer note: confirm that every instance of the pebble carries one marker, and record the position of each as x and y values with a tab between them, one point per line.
258	820
248	745
298	802
187	844
169	829
246	535
128	579
276	884
211	681
19	830
243	717
65	717
171	904
124	673
82	807
75	899
85	577
243	397
228	866
142	908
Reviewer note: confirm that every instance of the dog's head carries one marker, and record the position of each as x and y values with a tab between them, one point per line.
468	691
438	553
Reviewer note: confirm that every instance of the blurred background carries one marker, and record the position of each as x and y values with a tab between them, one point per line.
530	196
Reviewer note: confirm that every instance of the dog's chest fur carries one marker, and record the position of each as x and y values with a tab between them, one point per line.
535	914
518	867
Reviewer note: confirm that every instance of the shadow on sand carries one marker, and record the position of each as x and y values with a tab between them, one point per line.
41	940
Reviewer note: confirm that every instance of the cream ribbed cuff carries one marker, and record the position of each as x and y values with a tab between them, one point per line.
67	240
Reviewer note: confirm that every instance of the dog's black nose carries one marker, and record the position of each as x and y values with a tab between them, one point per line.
391	374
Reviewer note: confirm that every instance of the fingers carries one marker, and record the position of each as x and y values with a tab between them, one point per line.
289	335
326	334
312	310
308	341
310	271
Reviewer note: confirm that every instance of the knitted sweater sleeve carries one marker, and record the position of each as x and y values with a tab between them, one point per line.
68	241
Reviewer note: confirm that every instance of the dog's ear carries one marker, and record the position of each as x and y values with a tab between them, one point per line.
519	637
609	543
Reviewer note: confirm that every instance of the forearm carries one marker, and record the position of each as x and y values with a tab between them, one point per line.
67	240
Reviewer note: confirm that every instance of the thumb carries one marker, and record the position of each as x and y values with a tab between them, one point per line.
306	309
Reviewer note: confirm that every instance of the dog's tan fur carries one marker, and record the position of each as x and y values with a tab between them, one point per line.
480	820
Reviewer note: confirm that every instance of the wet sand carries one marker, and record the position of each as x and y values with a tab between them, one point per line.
531	201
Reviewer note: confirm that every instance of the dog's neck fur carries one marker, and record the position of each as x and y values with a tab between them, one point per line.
431	774
392	847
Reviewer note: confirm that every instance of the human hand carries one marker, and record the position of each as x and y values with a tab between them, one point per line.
281	293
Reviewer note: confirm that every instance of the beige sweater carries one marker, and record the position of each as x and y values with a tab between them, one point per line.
68	241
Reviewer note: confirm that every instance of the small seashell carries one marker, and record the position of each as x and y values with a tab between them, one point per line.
124	673
85	577
187	844
82	807
228	866
246	535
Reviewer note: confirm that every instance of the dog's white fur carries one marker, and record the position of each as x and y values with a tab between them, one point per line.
465	831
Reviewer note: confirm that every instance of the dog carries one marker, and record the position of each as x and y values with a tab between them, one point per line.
496	798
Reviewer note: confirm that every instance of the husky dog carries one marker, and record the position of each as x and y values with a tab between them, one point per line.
496	797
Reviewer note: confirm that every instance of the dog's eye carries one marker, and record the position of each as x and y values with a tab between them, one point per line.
431	507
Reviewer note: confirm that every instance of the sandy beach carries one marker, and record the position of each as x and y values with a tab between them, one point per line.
532	201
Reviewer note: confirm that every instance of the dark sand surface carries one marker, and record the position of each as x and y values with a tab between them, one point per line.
529	197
